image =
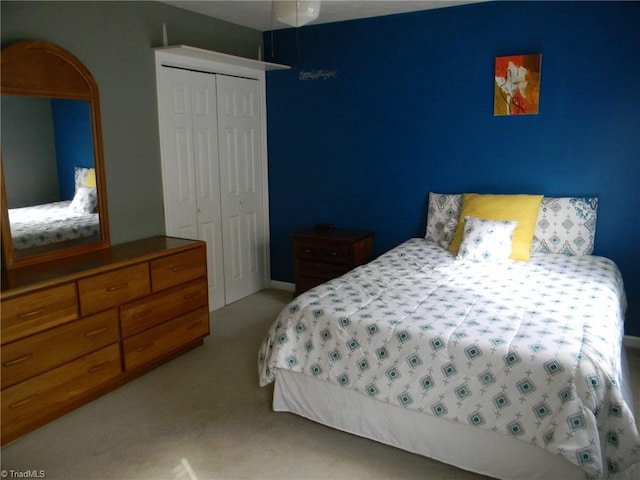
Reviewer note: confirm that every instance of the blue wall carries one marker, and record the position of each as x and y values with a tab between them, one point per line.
73	139
410	110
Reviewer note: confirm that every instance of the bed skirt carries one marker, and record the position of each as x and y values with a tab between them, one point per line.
456	444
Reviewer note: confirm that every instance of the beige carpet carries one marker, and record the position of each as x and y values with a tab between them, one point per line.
203	416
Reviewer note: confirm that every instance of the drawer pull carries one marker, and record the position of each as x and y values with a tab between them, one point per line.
189	296
91	333
193	325
97	367
15	361
334	254
178	268
307	250
120	286
144	347
32	313
141	314
23	402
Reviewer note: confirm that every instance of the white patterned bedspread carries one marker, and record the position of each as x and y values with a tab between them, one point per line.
50	223
530	350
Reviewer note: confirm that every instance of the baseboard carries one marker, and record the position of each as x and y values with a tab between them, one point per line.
287	286
631	342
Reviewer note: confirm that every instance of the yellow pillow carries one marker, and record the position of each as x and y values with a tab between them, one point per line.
90	181
521	208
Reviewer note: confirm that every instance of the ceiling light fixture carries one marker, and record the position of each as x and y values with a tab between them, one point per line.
296	12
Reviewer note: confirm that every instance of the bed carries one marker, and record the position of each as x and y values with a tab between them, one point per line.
509	368
40	225
51	223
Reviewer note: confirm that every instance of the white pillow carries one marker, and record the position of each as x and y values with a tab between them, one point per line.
486	240
85	200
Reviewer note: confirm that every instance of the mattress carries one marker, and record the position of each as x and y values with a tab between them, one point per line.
529	351
50	223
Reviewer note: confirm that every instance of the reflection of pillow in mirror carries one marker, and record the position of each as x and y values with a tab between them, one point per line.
90	181
81	176
85	200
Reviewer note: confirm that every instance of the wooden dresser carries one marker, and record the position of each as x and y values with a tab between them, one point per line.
74	329
323	254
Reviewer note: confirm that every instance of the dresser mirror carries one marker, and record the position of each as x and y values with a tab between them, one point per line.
54	200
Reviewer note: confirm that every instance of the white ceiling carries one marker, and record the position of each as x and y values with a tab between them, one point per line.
256	14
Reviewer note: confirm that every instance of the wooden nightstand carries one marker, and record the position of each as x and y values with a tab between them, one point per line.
322	254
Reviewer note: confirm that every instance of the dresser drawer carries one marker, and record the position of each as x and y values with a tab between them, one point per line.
175	269
33	355
158	341
38	311
113	288
150	311
26	403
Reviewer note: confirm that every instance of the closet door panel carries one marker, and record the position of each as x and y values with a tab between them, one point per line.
190	166
178	172
242	194
209	215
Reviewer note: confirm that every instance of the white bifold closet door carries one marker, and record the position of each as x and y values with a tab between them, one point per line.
241	181
212	175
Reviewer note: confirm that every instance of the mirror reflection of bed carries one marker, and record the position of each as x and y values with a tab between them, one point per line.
49	173
54	201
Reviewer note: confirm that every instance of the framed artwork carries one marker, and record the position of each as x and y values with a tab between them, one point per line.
517	85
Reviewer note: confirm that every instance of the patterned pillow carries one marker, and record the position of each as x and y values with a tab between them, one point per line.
85	200
442	217
486	240
566	225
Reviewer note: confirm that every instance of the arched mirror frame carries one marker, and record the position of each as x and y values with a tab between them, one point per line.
42	69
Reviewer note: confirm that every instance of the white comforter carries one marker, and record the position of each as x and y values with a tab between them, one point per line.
530	350
50	223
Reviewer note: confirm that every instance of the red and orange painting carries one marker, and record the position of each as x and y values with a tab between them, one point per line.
517	85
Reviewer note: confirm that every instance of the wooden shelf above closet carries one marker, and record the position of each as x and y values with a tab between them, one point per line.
209	55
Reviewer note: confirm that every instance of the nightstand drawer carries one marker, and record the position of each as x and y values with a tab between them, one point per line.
38	311
33	355
307	251
114	288
336	253
321	269
148	312
323	254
